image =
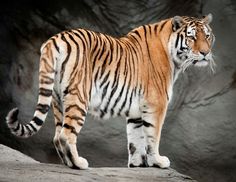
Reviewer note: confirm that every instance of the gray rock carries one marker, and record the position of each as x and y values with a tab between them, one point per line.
16	166
8	155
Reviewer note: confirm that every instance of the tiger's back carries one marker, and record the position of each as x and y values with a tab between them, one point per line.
114	67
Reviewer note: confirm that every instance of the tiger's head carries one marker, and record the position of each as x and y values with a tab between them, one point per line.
191	41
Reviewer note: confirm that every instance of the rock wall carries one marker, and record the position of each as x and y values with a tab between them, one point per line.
199	131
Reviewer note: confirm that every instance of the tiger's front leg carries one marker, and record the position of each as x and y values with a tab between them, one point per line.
153	116
136	143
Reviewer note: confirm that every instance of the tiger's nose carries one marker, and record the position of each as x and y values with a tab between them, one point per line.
204	53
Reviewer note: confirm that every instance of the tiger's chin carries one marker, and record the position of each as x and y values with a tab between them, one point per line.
201	63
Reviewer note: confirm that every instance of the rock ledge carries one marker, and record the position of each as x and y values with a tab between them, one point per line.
16	166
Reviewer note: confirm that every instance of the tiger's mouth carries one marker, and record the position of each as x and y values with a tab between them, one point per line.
202	62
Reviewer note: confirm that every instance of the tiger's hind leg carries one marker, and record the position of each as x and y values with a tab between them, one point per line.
73	120
136	143
58	117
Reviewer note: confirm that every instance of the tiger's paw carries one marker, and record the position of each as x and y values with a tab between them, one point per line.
138	161
158	161
80	163
83	163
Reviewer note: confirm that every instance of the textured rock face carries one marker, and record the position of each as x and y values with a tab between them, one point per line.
199	131
15	165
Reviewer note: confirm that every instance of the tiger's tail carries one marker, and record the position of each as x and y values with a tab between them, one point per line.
46	84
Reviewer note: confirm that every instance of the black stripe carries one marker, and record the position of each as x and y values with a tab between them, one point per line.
77	55
126	94
46	79
83	40
66	91
83	113
162	25
101	43
67	57
103	50
72	128
139	122
17	127
43	108
105	79
104	64
38	121
105	90
135	121
32	126
45	92
130	102
132	148
137	33
111	48
149	149
138	126
177	41
58	124
131	58
81	35
89	36
96	75
133	53
181	42
146	124
116	73
150	29
96	39
55	45
137	41
111	55
77	118
126	69
114	88
115	82
29	130
145	31
95	47
121	93
22	130
155	28
49	68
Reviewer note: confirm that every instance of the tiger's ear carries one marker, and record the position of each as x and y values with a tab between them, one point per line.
208	18
177	22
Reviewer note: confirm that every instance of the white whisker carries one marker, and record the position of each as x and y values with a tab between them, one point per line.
212	66
186	64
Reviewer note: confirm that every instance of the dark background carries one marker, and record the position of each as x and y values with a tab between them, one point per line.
199	134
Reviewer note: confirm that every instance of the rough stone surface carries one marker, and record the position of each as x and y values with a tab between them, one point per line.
8	155
199	133
16	166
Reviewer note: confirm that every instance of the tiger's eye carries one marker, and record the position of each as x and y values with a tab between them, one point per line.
191	38
207	36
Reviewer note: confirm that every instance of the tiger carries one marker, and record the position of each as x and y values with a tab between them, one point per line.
131	76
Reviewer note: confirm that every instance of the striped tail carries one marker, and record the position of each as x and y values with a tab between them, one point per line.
46	84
